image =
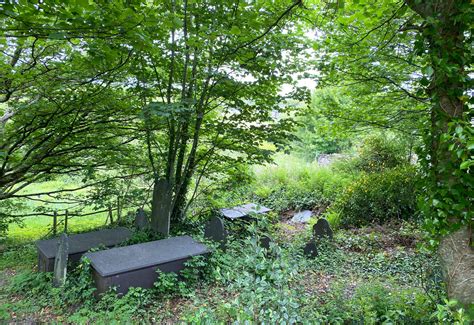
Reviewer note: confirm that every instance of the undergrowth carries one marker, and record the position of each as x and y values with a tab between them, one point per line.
249	284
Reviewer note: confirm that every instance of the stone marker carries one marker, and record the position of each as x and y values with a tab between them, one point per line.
243	211
60	262
136	265
265	242
215	230
78	245
141	220
311	249
322	229
302	216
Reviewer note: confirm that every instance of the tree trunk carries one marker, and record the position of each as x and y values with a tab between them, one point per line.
444	32
160	207
458	265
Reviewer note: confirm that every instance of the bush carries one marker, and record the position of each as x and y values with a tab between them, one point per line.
378	197
378	153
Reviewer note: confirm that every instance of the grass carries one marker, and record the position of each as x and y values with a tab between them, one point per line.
34	228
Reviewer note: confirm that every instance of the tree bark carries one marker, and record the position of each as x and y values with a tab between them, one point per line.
444	32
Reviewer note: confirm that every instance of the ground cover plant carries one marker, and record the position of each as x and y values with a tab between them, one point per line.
371	274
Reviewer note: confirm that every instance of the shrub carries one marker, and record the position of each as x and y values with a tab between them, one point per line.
378	197
378	153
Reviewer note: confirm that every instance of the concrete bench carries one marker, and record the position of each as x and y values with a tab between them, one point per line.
78	245
245	211
136	265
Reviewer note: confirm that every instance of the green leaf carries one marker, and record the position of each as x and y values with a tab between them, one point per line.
235	30
57	35
466	164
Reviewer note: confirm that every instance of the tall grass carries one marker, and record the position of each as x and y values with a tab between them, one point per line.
292	183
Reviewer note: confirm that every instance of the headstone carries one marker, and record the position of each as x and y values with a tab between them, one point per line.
311	249
78	245
141	221
161	211
322	229
60	262
302	217
136	265
265	242
327	159
215	230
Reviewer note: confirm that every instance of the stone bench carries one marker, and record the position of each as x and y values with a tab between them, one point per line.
136	265
78	245
246	211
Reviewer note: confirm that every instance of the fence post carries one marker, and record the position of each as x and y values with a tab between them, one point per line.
119	210
65	221
55	223
110	215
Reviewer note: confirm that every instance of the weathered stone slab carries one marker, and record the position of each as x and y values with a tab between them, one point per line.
311	249
141	220
322	229
302	216
215	230
60	261
78	245
136	265
243	211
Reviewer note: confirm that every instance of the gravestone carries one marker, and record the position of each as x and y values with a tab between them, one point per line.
244	211
265	241
311	249
136	265
302	216
78	245
141	221
60	262
322	229
215	230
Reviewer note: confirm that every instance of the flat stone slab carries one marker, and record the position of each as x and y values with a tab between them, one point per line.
243	211
123	259
78	245
302	216
136	265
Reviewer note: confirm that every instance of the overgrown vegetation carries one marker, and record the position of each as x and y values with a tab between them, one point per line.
364	275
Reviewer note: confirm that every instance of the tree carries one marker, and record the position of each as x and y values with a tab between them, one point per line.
209	78
190	90
61	111
317	133
446	38
418	51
